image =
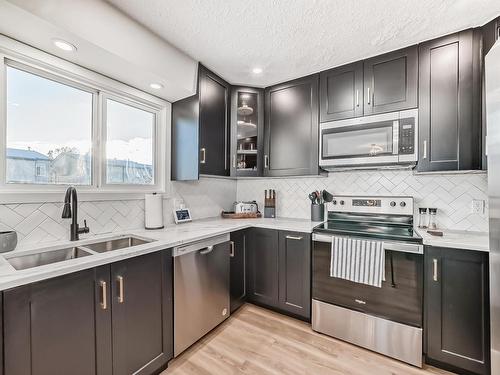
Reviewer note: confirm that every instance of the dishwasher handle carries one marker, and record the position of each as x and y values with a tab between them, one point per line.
206	250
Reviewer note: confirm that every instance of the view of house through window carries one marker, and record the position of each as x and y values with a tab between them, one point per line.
49	131
129	144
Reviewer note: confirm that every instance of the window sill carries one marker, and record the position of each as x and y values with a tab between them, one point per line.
19	197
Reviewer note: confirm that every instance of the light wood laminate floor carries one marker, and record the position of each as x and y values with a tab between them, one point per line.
258	341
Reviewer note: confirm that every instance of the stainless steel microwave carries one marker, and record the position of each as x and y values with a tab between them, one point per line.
388	139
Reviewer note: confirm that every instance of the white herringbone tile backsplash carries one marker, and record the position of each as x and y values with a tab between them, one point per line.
42	223
452	194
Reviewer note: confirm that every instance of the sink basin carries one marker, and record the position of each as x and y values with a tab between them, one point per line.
48	257
119	243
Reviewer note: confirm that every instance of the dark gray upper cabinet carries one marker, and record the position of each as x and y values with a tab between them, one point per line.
58	326
247	131
262	263
449	103
295	273
341	92
491	33
214	123
142	319
291	128
390	81
457	309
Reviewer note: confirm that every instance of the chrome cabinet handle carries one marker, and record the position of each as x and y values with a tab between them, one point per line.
357	98
104	295
424	156
435	269
368	95
203	156
297	238
121	297
207	250
360	301
231	251
266	161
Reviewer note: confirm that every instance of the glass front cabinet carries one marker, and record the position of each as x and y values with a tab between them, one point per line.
247	121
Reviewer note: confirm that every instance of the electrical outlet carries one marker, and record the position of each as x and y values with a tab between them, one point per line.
478	206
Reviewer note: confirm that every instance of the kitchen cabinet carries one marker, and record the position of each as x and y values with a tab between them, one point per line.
291	128
141	301
247	131
390	81
111	319
491	33
295	273
341	92
262	263
450	103
457	309
59	326
237	269
279	275
200	130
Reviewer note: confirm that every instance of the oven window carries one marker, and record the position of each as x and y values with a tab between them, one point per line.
351	141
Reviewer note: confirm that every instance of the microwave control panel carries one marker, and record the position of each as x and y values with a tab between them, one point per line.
407	136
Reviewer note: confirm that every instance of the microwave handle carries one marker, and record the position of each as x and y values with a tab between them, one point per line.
395	137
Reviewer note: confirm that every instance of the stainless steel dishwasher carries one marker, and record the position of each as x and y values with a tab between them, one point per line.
201	289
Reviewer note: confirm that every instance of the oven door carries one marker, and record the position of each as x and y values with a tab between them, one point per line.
360	141
399	299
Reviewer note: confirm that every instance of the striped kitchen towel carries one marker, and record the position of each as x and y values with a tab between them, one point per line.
360	261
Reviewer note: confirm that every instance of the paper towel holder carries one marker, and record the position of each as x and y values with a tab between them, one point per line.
155	222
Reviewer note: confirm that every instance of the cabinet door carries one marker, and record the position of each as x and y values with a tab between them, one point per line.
295	273
390	81
262	258
456	299
449	104
291	131
238	269
59	326
341	92
141	295
247	131
214	130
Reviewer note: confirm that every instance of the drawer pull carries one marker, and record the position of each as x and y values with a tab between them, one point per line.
231	251
104	295
435	269
121	297
296	238
361	302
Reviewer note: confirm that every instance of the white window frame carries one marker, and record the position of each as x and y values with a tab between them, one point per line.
20	56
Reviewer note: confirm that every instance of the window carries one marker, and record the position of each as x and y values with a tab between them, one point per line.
65	125
49	131
129	144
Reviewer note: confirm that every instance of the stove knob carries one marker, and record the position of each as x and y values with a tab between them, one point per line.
341	203
334	202
402	204
393	204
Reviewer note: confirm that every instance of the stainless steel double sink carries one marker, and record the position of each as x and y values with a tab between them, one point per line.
21	262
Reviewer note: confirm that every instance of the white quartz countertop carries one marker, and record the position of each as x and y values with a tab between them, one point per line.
467	240
170	236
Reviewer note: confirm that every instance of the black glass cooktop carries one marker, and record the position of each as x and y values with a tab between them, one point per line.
377	230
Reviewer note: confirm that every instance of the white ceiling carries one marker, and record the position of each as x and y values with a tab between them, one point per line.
292	38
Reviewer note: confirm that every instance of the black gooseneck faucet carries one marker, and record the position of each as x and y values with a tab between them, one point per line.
70	210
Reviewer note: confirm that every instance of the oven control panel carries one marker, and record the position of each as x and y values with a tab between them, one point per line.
397	205
407	136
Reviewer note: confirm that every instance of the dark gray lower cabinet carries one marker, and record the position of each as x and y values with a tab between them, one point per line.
456	307
295	273
237	269
279	273
93	321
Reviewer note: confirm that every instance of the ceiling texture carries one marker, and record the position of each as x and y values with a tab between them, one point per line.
293	38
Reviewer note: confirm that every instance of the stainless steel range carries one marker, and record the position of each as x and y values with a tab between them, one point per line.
368	276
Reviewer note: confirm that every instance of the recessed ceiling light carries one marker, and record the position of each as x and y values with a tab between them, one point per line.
156	86
65	46
257	70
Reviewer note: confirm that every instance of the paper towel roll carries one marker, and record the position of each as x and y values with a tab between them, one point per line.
153	211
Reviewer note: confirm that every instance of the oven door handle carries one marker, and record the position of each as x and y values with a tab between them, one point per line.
392	246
